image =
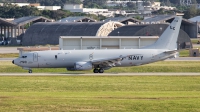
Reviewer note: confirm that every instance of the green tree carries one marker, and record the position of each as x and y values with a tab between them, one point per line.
72	1
138	17
177	2
181	8
131	5
10	11
33	1
146	3
59	14
94	3
191	12
168	3
194	2
198	12
54	2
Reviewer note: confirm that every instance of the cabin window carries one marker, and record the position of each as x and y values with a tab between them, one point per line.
24	56
56	56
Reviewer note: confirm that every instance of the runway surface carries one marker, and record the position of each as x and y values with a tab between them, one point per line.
7	59
104	74
8	50
184	59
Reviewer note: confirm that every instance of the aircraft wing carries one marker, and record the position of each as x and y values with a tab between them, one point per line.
110	61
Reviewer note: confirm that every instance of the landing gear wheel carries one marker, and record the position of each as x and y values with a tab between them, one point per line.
95	70
101	70
29	71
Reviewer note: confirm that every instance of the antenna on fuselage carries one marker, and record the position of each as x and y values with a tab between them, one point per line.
49	47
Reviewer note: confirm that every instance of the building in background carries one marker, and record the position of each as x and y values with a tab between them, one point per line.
141	6
37	5
79	8
49	7
13	31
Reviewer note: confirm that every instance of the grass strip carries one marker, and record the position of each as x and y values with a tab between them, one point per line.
9	55
100	93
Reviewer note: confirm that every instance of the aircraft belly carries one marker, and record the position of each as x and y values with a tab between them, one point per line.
54	64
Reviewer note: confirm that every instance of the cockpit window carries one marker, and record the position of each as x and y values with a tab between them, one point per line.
24	56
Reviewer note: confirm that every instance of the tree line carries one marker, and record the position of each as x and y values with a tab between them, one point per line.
13	11
96	3
54	2
44	2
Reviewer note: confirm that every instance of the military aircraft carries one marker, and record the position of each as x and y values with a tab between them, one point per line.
104	59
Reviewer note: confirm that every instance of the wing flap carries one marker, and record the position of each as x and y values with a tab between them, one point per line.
108	62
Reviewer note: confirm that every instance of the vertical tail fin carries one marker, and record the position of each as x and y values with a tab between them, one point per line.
168	40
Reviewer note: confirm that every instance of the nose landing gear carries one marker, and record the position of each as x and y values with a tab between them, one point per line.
30	71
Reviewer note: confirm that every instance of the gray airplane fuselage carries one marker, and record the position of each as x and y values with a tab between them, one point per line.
165	47
67	58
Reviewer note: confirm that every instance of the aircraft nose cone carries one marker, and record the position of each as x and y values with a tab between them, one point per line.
13	62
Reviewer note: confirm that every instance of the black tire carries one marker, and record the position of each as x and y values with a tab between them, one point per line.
30	71
101	70
96	70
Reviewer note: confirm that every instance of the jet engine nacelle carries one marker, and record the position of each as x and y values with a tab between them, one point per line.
81	66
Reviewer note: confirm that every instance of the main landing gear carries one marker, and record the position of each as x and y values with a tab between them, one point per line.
100	70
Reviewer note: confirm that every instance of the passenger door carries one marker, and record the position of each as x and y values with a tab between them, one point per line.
35	57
